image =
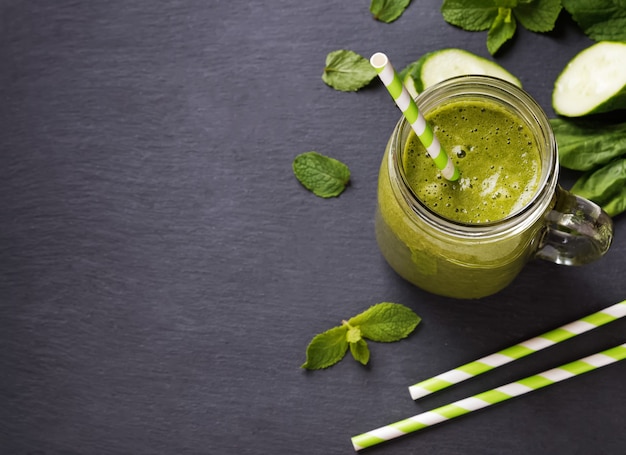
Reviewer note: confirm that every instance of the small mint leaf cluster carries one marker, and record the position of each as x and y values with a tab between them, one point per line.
500	17
384	322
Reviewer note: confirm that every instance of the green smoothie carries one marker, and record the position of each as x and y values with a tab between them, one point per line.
495	152
500	163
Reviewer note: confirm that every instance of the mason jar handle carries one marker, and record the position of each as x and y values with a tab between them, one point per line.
578	231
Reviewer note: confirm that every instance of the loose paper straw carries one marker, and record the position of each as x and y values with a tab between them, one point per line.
488	398
403	100
469	370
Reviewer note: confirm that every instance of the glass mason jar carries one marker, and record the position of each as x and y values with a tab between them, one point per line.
469	261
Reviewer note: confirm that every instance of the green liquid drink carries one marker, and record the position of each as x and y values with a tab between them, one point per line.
470	238
496	153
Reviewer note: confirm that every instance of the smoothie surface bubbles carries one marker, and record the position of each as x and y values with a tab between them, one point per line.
496	154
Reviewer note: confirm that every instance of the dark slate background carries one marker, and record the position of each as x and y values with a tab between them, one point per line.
161	270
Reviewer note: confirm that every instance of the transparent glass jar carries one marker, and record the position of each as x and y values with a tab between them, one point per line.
470	261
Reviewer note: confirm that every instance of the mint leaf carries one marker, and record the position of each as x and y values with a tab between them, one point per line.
324	176
470	15
386	322
326	349
538	15
600	20
502	30
388	10
360	351
347	71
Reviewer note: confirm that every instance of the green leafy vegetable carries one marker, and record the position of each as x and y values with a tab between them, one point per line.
385	322
605	186
324	176
617	203
360	351
538	16
601	20
347	71
584	146
500	17
502	29
388	10
471	15
327	348
599	149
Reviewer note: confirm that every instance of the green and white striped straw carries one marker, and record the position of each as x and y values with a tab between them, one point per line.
424	132
472	369
488	398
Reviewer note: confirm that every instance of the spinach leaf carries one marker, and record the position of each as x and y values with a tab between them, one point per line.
584	146
605	186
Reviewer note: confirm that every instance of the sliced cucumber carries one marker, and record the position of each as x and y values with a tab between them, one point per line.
446	63
593	81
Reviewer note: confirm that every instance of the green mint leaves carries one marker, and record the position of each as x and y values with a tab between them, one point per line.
384	322
327	348
502	29
600	20
538	15
347	71
500	17
388	10
324	176
327	177
470	15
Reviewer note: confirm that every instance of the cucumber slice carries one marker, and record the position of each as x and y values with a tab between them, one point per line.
593	81
443	64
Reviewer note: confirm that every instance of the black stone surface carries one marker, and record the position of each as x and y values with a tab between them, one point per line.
162	271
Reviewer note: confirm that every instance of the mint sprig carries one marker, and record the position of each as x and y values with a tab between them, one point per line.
384	322
347	71
500	17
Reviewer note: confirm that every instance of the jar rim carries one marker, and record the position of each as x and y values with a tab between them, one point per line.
524	106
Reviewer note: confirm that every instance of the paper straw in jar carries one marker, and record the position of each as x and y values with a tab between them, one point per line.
406	104
488	398
487	363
